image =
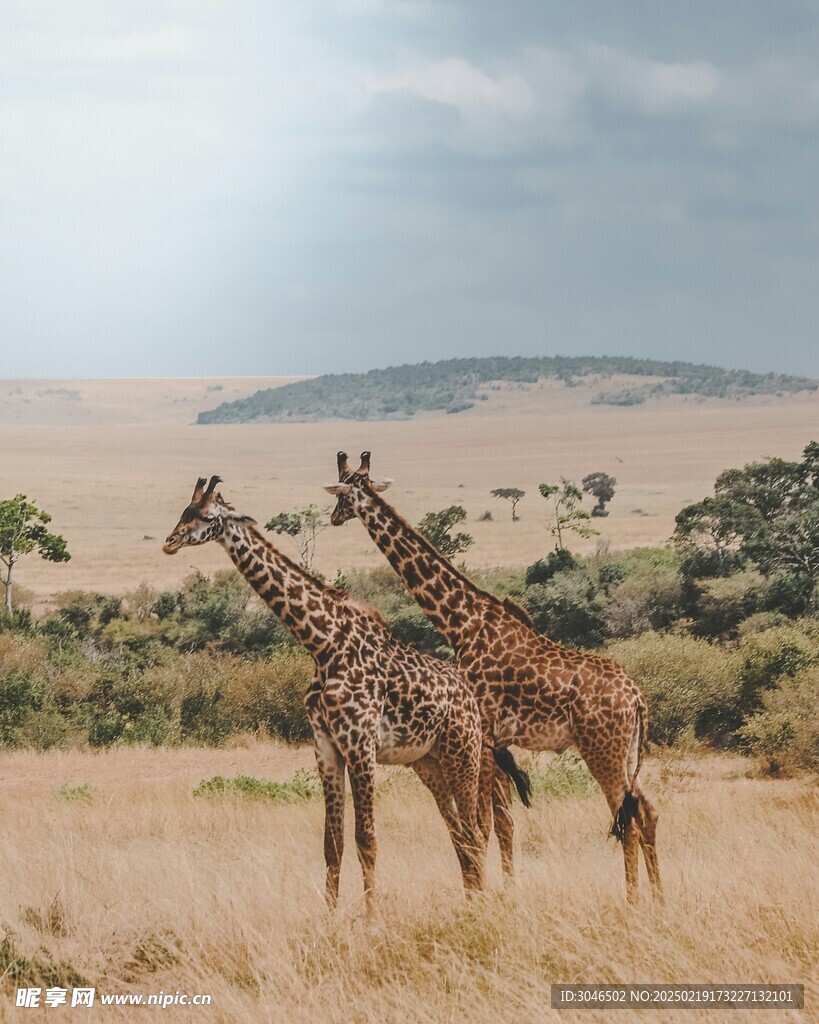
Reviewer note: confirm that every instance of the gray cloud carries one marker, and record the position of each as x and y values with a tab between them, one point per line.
192	189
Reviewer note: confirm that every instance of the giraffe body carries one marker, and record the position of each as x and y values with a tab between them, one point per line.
531	691
372	699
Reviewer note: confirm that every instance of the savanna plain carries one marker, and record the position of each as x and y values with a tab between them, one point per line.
132	883
134	869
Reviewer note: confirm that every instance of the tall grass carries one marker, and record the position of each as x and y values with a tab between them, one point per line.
146	887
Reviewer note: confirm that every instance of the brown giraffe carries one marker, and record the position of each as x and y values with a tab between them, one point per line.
531	691
372	698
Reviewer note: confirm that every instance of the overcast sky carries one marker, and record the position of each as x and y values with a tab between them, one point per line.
208	187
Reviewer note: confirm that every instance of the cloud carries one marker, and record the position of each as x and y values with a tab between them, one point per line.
195	186
456	82
652	86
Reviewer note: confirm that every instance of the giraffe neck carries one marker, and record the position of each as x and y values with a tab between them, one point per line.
311	611
445	595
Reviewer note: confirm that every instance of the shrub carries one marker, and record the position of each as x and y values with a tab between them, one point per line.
543	570
564	609
759	622
87	611
722	603
788	594
19	699
772	654
610	574
303	786
563	777
267	696
689	685
640	603
785	733
84	792
42	730
105	729
202	717
411	626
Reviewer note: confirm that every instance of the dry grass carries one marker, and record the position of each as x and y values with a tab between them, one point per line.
116	484
139	886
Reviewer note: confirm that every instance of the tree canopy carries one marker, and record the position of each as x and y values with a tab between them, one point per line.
437	528
23	530
567	515
513	494
601	486
766	513
303	526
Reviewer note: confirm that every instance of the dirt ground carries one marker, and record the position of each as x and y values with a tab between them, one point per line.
114	462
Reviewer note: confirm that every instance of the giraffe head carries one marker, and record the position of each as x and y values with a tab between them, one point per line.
203	519
346	478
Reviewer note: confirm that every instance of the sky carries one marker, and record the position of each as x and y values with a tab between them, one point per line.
206	188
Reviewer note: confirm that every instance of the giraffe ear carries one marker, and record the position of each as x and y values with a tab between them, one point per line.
381	485
337	488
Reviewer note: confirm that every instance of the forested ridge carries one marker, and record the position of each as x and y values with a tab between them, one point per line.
454	385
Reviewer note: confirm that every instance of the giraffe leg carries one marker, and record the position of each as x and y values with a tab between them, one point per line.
460	752
647	823
504	822
330	765
429	771
362	782
607	760
486	778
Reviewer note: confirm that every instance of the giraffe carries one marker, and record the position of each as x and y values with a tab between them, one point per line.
531	691
372	698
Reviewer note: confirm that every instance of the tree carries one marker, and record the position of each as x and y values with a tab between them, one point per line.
23	530
566	498
437	528
601	486
766	513
303	526
512	494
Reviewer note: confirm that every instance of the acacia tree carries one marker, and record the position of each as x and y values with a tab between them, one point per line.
512	494
766	513
303	526
437	528
601	486
23	530
566	512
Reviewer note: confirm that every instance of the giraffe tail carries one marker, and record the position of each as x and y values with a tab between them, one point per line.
523	784
630	806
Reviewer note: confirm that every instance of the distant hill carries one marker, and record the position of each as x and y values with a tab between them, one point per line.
453	385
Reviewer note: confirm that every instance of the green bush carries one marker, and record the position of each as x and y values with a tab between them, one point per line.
722	603
563	777
769	656
785	733
788	594
84	792
564	609
267	696
43	730
20	697
303	786
545	569
690	685
640	603
202	717
411	626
